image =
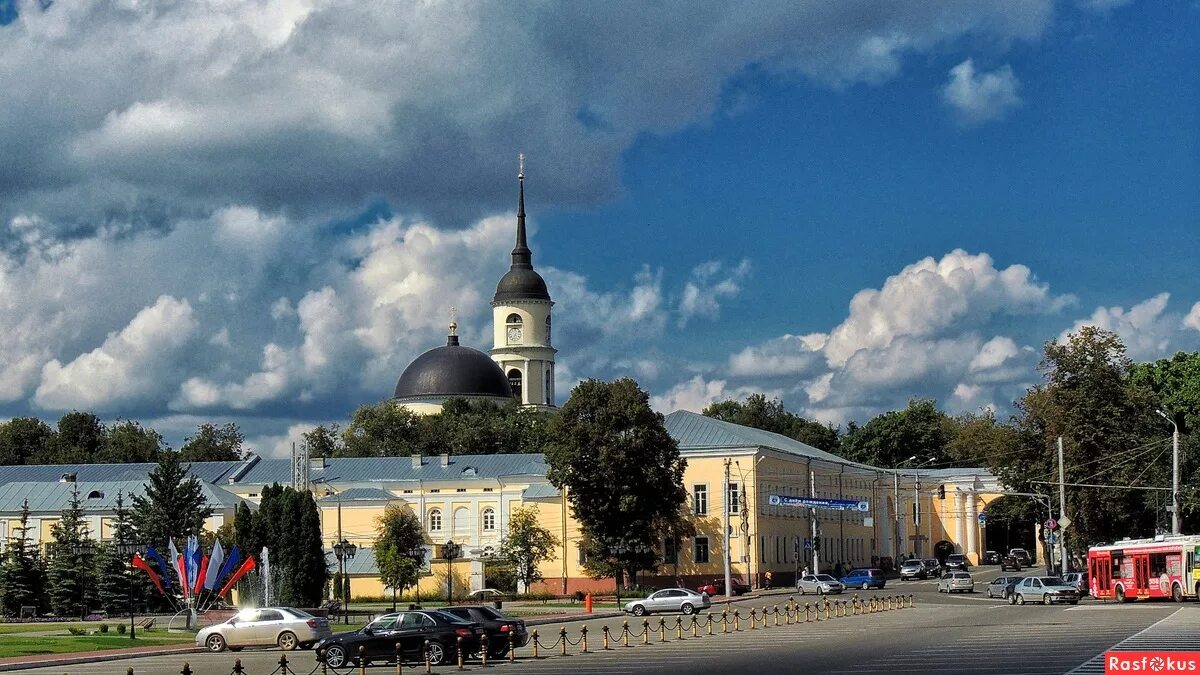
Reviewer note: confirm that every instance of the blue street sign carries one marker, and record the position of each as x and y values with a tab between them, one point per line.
983	519
807	544
811	503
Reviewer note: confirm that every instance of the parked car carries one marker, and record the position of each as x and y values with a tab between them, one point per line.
1046	590
411	630
717	587
1022	556
958	562
669	600
956	581
1010	562
283	627
864	579
501	629
822	584
934	567
913	569
1078	580
991	558
1000	586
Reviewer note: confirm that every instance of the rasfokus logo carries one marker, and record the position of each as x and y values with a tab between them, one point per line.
1151	662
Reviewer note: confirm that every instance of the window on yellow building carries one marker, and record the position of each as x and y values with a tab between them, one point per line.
701	553
489	519
700	500
735	502
435	520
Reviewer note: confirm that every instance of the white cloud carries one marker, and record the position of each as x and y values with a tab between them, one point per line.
994	353
1192	320
1148	330
978	97
127	367
279	445
697	393
710	283
785	356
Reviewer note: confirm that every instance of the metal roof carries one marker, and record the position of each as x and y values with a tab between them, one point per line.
401	469
360	495
207	472
540	491
693	431
46	496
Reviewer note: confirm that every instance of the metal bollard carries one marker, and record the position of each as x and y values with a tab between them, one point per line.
399	659
483	650
534	642
512	647
645	631
460	653
737	620
562	637
662	629
428	665
237	667
362	661
625	633
806	608
695	627
678	628
777	615
583	639
129	671
187	670
283	664
605	628
710	623
827	608
725	621
753	620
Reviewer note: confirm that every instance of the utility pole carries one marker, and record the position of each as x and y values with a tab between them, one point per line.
1062	510
896	514
1176	516
812	489
728	538
917	513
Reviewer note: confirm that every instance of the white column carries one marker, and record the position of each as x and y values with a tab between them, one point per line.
972	525
960	518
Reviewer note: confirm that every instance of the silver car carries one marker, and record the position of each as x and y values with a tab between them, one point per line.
1046	590
283	627
956	581
670	600
998	587
822	584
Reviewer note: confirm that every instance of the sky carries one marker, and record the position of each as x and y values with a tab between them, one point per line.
260	211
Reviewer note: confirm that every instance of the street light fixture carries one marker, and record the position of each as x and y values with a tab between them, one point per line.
127	549
1176	516
344	551
417	553
80	549
450	551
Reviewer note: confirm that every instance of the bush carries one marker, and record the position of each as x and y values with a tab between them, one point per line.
103	628
75	630
578	596
120	629
637	590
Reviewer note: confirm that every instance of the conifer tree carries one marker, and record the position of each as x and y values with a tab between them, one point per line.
71	566
24	575
115	571
173	506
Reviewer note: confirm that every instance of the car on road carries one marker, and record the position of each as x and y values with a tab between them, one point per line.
502	630
864	578
1078	580
957	562
669	600
1046	590
717	587
283	627
1010	562
1000	587
913	569
1022	556
991	558
411	629
934	567
956	581
822	584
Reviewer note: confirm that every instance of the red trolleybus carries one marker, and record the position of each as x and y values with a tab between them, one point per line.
1162	567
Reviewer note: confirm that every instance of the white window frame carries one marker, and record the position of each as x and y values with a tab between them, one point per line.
435	520
696	502
489	519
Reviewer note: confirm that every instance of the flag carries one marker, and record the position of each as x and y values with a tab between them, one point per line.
241	571
200	574
189	561
141	564
177	566
197	558
230	564
164	569
214	566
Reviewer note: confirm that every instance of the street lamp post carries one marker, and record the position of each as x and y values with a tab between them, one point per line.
79	549
1176	516
127	549
343	551
418	555
450	551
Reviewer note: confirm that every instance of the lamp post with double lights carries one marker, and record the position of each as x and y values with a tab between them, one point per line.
81	549
128	549
450	551
417	553
344	551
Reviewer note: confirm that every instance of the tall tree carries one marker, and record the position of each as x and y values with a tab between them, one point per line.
22	569
26	440
289	525
214	443
398	535
324	441
892	437
385	429
622	471
527	544
1175	383
245	536
128	441
71	569
80	438
115	570
173	506
770	415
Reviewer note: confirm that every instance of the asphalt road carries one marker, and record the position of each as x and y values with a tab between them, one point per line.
965	633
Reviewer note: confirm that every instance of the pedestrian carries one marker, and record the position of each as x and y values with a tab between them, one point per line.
805	571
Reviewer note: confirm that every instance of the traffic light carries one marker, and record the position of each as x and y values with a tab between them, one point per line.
941	492
817	543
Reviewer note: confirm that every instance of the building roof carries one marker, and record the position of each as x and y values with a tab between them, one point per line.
207	472
401	469
521	282
452	370
693	431
541	491
54	496
360	495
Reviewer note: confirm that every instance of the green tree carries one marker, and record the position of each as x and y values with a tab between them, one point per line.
398	535
213	443
115	570
892	437
1175	384
128	441
289	525
245	534
386	429
770	415
173	506
26	440
622	471
71	567
324	441
527	544
22	569
80	438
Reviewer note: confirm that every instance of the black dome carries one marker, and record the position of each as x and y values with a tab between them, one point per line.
521	284
452	370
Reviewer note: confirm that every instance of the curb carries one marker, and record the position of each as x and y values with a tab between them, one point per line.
94	657
573	618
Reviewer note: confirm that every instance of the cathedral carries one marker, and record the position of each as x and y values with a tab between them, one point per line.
521	361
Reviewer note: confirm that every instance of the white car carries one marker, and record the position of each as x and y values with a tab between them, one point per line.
956	581
822	584
669	600
283	627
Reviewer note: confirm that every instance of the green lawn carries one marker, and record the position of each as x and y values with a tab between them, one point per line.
26	646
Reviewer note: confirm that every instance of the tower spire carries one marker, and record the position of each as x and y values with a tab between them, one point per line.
522	257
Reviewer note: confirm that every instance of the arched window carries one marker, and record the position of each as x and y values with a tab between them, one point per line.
514	330
549	385
489	519
547	329
514	381
435	520
462	522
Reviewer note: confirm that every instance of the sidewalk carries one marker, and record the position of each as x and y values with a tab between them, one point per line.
42	660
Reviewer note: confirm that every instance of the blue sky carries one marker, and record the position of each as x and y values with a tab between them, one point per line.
262	213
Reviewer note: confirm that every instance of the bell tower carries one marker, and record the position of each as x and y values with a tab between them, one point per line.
521	320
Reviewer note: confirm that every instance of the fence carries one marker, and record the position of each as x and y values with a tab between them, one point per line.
645	633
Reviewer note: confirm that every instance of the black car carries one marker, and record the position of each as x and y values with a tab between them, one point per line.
1010	562
500	629
957	562
411	629
991	558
